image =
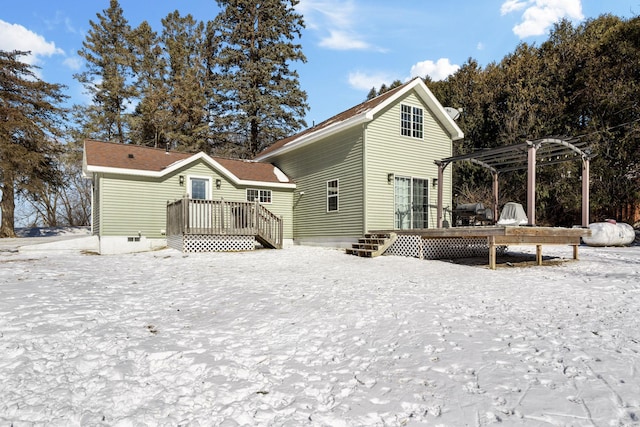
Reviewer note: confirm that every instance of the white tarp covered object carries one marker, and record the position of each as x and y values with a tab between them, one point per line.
610	233
513	214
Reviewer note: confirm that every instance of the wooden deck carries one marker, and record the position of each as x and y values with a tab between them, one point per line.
189	217
506	235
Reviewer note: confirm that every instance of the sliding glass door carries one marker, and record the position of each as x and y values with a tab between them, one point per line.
411	203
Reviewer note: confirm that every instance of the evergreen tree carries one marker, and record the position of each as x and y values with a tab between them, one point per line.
257	97
149	121
187	83
31	118
109	74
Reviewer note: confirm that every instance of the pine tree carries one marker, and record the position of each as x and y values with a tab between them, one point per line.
183	39
31	117
149	122
257	97
109	74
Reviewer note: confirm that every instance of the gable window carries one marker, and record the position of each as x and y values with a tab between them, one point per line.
332	195
262	196
411	121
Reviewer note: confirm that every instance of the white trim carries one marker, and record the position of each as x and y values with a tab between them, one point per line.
185	162
312	137
337	195
423	91
412	123
205	178
270	202
411	179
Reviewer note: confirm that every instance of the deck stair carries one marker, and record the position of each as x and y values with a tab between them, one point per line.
372	245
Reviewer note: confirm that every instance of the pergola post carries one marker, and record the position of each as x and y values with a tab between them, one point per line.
585	191
495	195
531	184
441	167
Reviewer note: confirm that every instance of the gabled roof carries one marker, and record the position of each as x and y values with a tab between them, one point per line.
363	113
128	159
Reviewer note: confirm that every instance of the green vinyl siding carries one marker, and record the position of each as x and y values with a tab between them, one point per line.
95	207
389	152
338	157
135	204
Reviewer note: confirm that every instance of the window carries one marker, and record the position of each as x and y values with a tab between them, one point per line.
332	195
411	121
199	188
262	196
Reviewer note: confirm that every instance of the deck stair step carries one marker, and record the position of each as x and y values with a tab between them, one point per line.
372	245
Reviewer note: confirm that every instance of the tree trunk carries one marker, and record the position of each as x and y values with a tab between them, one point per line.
7	206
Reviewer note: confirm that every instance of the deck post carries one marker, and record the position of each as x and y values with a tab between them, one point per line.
492	252
531	184
585	192
538	254
185	215
440	189
256	225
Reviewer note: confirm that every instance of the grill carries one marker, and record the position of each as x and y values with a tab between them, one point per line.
472	214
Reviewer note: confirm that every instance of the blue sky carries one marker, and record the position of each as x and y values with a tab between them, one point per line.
351	45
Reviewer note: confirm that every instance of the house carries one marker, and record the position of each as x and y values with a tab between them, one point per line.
368	168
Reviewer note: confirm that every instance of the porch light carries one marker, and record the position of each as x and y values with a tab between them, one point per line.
435	182
389	178
218	184
181	180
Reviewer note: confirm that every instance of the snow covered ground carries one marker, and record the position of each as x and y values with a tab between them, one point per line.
312	337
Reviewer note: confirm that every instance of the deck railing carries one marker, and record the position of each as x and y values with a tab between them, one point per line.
220	217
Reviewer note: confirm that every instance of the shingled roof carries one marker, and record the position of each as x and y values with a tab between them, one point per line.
364	112
131	159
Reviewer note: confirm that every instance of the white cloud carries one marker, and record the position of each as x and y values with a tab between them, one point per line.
335	21
73	63
340	40
364	81
17	37
512	6
540	15
438	70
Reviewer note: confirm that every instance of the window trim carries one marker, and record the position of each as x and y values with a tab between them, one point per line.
209	188
413	127
246	193
336	195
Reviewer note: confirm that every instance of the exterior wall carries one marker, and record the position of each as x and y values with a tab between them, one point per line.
95	207
134	206
387	151
338	157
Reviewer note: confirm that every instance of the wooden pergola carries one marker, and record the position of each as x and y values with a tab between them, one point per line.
526	155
